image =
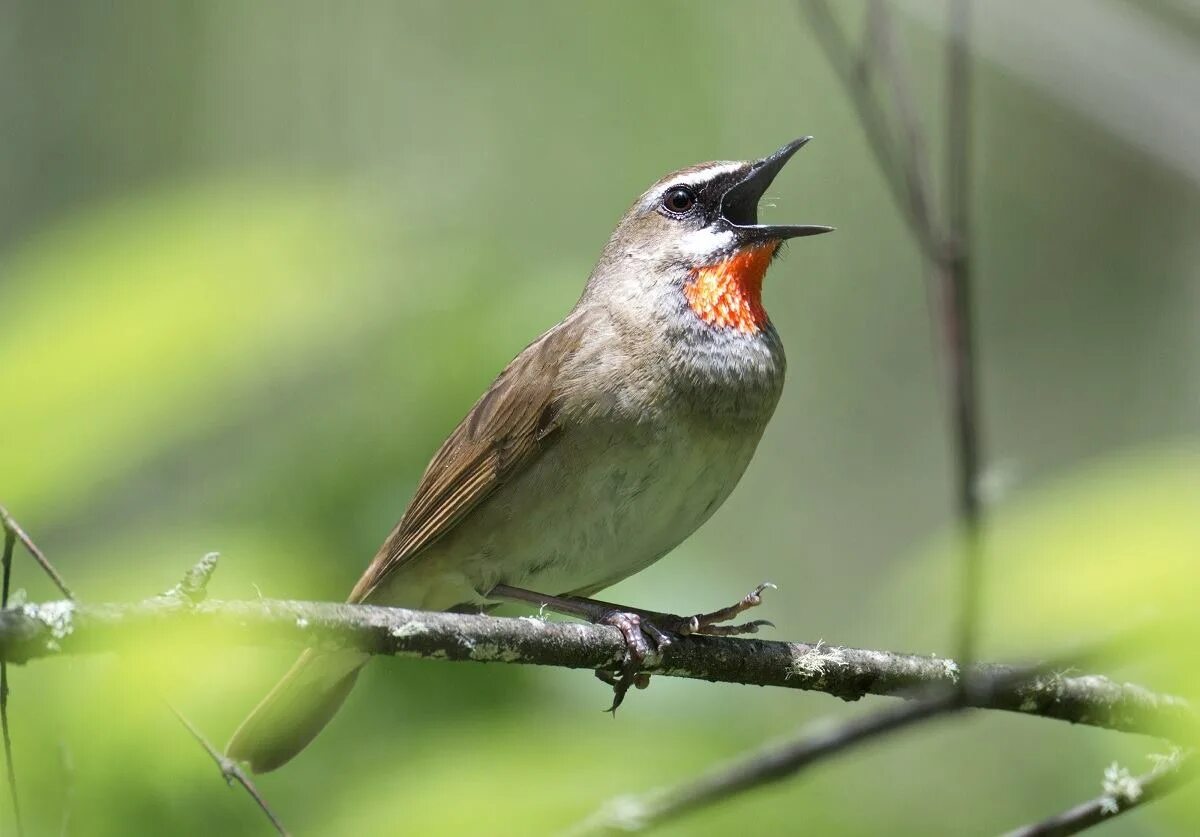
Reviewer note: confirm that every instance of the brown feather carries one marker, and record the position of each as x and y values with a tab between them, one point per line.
506	430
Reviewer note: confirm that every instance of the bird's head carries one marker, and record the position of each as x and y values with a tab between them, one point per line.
695	232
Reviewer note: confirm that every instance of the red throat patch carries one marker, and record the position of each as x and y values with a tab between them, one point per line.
728	294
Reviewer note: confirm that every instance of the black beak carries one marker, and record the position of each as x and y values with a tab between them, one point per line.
739	206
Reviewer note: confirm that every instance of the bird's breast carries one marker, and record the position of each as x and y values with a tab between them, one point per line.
606	500
730	377
609	500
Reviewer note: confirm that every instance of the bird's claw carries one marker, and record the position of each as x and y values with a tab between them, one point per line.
737	630
621	684
640	633
635	630
709	623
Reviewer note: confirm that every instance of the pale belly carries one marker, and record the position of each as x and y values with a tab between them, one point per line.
592	510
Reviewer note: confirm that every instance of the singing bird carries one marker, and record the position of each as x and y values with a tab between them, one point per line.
599	448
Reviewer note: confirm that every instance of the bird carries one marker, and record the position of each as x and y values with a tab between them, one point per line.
602	446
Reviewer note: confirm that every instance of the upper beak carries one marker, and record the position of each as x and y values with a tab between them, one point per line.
739	206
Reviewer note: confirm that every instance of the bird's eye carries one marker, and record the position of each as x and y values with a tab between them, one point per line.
679	200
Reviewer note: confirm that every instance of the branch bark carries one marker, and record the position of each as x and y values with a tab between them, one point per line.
57	628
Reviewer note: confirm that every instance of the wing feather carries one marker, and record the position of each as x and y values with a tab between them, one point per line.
506	430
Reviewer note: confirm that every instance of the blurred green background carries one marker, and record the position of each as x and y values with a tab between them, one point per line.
256	259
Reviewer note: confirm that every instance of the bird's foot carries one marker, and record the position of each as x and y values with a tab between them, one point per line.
642	630
710	623
635	630
635	627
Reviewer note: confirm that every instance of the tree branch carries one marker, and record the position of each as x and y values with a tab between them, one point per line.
56	628
1122	793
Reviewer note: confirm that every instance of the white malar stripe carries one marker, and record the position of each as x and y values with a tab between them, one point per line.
705	242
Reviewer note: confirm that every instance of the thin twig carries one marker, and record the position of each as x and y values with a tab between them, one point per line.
913	161
190	591
68	769
193	590
626	814
1127	794
231	771
10	538
10	541
958	323
8	757
11	525
12	533
781	761
905	170
856	77
958	125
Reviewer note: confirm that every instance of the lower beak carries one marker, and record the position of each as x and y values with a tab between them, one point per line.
739	206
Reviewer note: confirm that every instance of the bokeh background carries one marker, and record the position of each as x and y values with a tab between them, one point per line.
256	259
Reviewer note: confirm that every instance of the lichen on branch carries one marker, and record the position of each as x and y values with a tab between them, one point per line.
34	631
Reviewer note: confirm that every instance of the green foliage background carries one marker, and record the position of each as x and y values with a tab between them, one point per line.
257	259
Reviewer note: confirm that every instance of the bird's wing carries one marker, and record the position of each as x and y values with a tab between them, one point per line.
506	430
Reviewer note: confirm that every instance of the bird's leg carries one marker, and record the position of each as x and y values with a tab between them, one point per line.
635	627
636	624
669	623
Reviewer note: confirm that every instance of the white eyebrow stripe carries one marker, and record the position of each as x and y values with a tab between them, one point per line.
703	176
692	178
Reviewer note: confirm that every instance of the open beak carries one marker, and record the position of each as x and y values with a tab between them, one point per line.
739	206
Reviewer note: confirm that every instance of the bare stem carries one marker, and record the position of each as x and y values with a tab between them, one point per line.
9	543
189	592
1168	776
772	764
958	329
192	590
231	771
781	761
11	526
903	159
8	757
856	73
67	763
912	161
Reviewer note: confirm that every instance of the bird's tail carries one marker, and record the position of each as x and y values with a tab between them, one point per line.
299	706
